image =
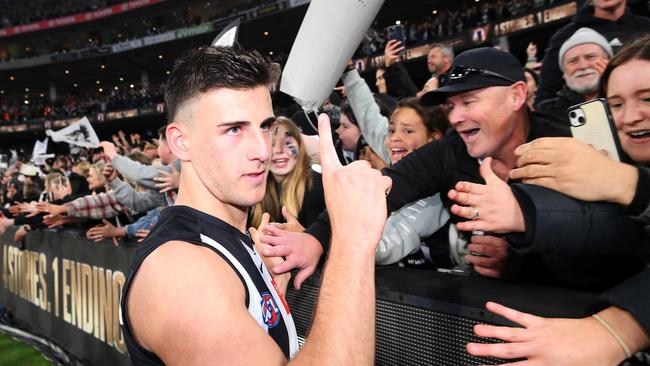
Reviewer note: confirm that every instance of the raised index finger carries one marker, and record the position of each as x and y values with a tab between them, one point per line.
328	158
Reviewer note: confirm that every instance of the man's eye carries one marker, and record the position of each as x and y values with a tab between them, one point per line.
233	130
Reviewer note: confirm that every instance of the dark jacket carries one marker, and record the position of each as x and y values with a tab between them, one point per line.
627	28
398	82
439	165
632	296
313	201
559	104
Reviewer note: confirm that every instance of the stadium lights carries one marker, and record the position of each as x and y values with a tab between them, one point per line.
42	95
435	12
100	90
271	53
12	78
266	33
26	101
67	71
160	56
131	86
167	72
97	82
115	87
26	90
102	66
2	91
121	78
75	85
398	22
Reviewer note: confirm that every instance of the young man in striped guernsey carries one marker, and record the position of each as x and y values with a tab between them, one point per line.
198	291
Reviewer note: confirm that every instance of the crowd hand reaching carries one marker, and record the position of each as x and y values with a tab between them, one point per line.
601	65
392	52
141	234
134	138
116	140
545	341
27	208
167	181
342	90
431	84
20	234
281	279
55	221
492	206
109	149
492	257
300	250
15	210
559	163
52	209
291	224
101	231
109	172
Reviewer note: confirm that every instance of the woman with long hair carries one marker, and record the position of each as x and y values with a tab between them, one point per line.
293	189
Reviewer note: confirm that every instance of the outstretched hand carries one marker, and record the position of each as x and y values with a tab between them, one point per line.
558	163
167	181
544	341
491	206
282	279
291	223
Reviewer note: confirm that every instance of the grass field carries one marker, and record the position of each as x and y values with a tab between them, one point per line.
14	353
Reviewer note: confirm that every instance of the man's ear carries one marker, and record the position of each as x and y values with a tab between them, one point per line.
517	95
178	140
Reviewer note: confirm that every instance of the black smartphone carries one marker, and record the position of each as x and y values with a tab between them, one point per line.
396	32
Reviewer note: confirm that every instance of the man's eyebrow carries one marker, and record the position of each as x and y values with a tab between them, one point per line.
268	121
646	90
233	123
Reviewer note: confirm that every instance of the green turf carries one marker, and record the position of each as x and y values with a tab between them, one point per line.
19	354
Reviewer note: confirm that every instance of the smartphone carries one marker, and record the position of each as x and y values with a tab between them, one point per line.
396	32
592	123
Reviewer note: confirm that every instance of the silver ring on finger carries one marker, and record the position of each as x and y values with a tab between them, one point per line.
476	214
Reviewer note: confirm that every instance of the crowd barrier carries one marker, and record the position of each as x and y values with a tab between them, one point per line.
66	289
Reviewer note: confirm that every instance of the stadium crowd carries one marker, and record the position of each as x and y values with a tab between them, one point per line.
483	150
79	104
444	22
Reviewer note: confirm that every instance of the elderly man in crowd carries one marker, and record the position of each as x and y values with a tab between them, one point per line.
583	58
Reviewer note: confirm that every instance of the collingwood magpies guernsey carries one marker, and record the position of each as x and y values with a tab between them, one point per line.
265	305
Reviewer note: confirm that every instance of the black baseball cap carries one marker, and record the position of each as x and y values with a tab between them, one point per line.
475	69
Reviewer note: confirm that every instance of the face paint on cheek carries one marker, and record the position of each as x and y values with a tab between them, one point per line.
293	151
275	132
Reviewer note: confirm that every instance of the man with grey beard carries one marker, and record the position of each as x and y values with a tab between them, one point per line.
582	59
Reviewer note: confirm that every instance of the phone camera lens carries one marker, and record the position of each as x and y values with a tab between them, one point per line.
581	119
573	114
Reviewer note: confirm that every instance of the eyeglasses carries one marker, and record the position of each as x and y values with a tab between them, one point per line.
459	73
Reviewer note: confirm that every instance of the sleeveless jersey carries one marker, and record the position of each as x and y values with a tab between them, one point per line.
265	305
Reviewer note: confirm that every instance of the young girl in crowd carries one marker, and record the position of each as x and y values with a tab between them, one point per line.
409	127
349	145
293	189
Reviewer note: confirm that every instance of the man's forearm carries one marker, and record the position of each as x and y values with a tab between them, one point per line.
344	337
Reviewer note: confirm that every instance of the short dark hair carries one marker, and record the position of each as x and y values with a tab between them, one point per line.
207	68
434	118
162	133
